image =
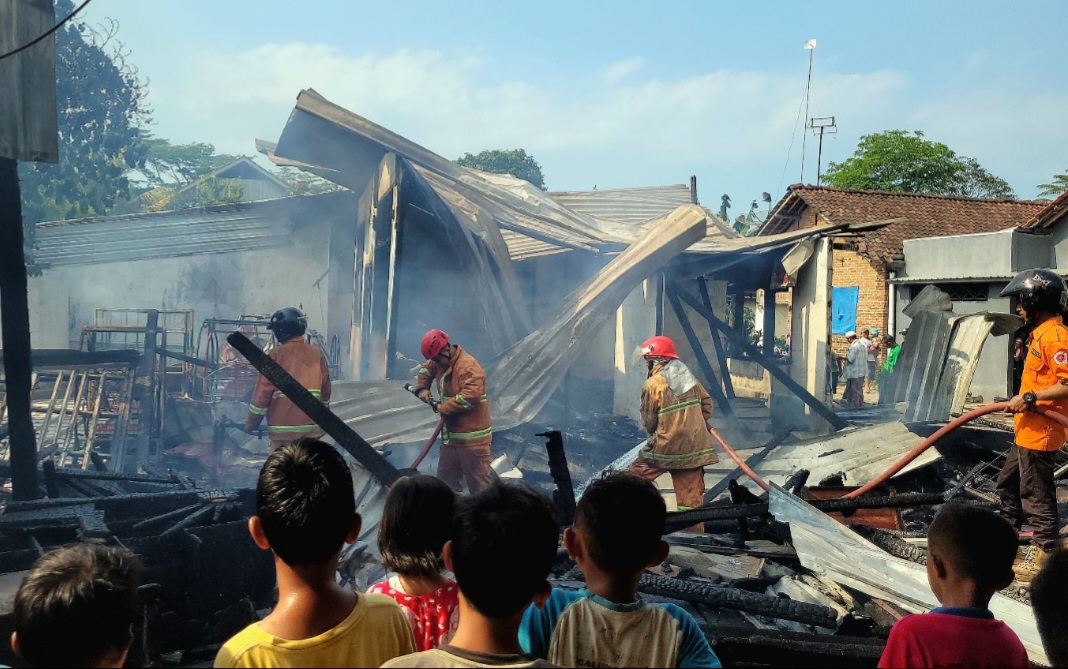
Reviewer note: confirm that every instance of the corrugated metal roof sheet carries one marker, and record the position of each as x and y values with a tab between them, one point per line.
625	205
521	247
144	236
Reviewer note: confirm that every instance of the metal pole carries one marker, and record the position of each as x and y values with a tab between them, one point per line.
819	158
15	319
804	135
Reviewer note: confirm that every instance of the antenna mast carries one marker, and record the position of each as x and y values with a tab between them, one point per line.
810	46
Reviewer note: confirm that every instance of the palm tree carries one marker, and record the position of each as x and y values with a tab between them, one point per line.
1059	185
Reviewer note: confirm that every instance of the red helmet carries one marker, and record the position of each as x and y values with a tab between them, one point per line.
433	342
659	347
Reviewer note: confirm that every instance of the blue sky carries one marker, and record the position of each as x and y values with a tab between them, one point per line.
623	93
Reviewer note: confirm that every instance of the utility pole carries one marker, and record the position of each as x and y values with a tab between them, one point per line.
810	46
825	124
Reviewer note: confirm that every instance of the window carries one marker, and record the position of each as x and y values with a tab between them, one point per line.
963	292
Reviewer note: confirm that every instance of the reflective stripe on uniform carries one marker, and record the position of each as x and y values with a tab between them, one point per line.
290	429
672	408
314	391
424	370
463	402
677	458
467	436
259	411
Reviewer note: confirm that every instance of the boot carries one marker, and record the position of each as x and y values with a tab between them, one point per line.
1028	568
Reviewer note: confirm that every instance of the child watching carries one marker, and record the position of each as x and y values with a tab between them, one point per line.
970	551
1049	599
305	513
77	607
617	534
415	526
503	546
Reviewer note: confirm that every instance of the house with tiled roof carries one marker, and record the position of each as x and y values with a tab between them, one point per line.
866	265
973	269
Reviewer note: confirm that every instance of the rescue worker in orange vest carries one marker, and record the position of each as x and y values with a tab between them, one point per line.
467	433
1026	482
306	364
675	410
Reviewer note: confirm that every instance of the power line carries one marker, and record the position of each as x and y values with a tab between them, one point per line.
50	31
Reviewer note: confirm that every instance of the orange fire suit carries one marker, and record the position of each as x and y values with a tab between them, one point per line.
285	421
1026	482
674	410
468	431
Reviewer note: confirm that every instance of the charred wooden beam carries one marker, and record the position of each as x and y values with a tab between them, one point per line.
677	520
893	545
188	358
784	378
736	599
345	436
699	352
144	393
564	495
64	358
15	322
779	648
728	383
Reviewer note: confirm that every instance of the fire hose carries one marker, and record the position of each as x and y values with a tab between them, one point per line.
434	436
909	457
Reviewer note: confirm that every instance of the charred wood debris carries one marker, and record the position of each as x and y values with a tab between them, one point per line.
742	579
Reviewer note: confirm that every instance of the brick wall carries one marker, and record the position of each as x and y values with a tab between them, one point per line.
853	269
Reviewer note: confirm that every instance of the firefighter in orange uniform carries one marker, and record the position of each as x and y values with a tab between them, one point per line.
467	433
306	364
675	409
1026	482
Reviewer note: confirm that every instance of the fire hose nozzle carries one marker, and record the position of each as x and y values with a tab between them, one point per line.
433	402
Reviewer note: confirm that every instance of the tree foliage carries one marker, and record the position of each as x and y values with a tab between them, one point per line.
304	183
179	164
506	161
100	104
1055	187
897	160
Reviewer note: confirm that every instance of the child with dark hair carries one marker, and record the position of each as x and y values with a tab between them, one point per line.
617	534
503	546
1049	599
305	513
415	525
77	607
970	551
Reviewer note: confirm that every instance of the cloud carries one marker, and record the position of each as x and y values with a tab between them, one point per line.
731	126
620	70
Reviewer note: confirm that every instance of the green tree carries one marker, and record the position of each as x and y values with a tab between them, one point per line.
897	160
179	164
506	161
1054	188
100	104
304	183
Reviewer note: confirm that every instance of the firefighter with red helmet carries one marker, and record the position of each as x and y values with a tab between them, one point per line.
675	410
461	386
305	363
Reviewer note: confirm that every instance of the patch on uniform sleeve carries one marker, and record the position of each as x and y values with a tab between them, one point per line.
1060	357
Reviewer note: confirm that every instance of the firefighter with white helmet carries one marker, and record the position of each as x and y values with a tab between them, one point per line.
462	401
675	409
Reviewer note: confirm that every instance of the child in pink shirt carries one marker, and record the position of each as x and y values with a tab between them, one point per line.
415	526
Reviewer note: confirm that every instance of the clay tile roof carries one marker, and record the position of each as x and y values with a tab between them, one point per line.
1051	213
922	215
